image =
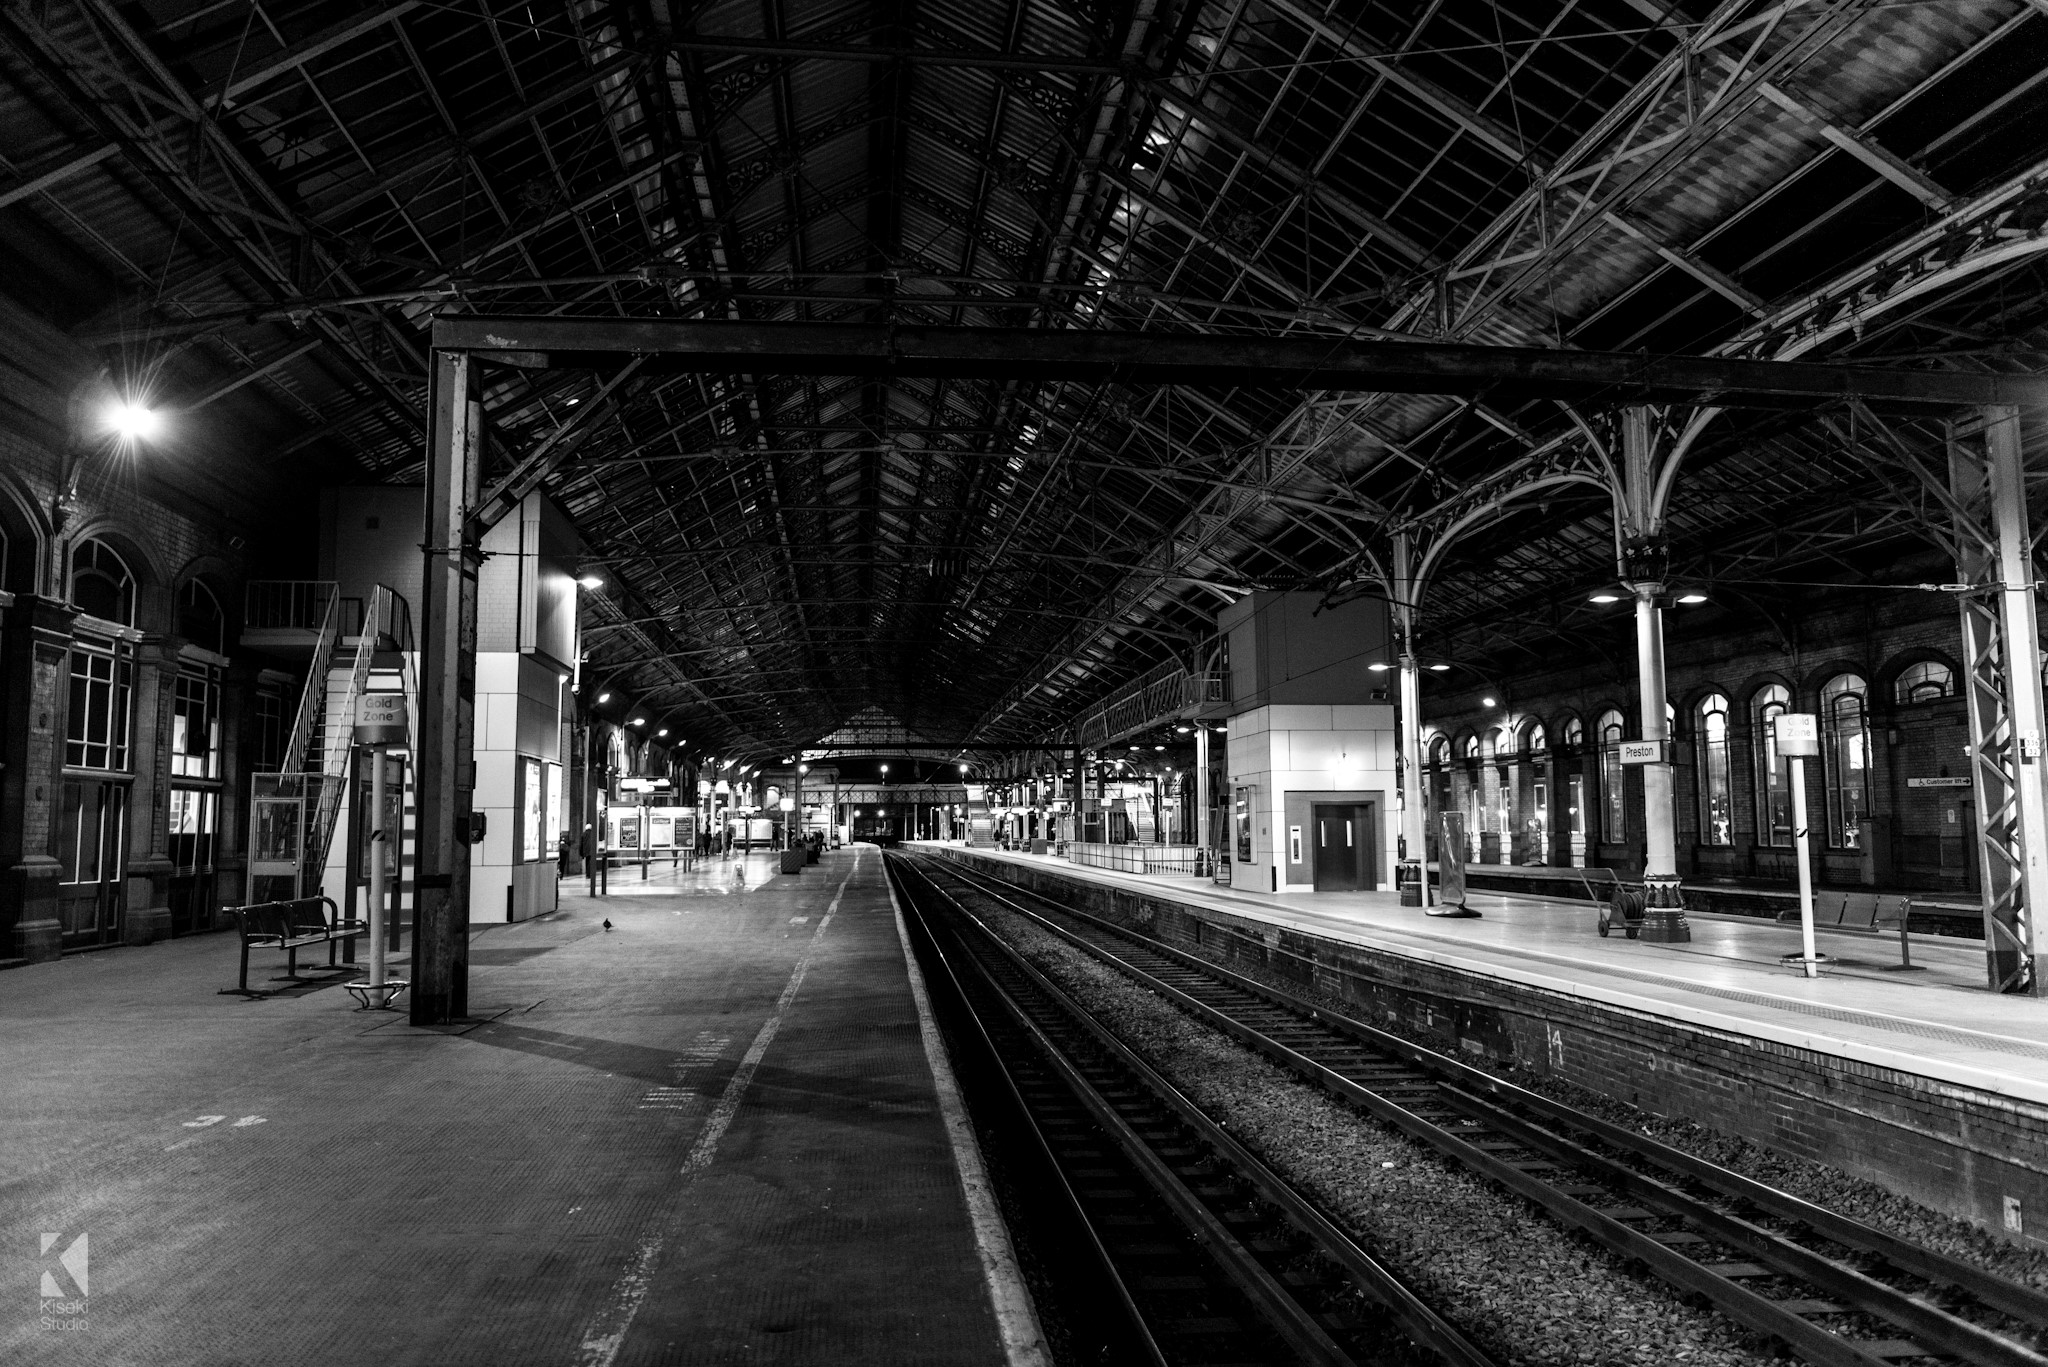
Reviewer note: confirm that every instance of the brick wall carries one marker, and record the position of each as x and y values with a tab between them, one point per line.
1927	834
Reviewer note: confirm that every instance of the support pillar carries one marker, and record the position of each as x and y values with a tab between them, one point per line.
1643	557
448	584
2001	651
1411	869
1202	797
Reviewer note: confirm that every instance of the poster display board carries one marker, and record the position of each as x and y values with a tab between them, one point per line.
1450	859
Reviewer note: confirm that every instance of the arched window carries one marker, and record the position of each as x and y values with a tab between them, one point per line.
1717	819
101	584
1534	739
1613	811
1773	780
200	619
1845	755
1439	750
1471	747
1928	681
1574	734
1505	742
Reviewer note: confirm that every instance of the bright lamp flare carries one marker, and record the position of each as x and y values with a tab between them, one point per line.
134	421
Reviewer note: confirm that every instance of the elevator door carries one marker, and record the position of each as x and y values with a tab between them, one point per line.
1343	848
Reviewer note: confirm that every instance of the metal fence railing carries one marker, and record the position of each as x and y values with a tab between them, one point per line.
1134	858
298	605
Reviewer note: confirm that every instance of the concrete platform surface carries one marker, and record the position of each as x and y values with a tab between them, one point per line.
709	1135
1943	1023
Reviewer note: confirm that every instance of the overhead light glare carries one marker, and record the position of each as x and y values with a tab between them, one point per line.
1377	668
1438	669
604	697
662	732
1488	702
132	421
1692	598
638	721
591	581
1605	598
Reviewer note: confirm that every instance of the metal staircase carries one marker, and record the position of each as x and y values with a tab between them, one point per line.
298	809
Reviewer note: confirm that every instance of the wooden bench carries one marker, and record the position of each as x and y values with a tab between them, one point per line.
291	927
1863	913
1621	903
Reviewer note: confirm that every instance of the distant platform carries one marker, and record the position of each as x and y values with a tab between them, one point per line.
1927	1081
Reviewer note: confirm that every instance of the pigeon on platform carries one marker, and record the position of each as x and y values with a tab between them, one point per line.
607	925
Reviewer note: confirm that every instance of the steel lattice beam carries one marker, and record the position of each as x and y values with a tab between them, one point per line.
731	347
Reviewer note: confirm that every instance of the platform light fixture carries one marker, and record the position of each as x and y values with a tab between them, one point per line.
1184	730
662	732
1694	597
1377	668
133	421
1604	597
1488	702
604	697
1438	668
590	581
637	721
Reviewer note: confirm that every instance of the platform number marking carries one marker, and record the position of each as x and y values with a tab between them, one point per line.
704	1049
2012	1215
1556	1043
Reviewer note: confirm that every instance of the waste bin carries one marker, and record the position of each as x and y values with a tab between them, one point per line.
792	861
1408	882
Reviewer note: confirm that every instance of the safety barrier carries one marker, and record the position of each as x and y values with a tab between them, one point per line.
1134	858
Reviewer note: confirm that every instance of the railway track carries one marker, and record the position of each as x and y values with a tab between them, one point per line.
1210	1257
1835	1291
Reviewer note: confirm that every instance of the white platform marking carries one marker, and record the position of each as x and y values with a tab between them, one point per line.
607	1331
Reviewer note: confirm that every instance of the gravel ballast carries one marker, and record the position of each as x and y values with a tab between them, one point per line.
1828	1187
1524	1288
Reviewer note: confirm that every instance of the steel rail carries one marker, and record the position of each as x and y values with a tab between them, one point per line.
1040	1144
1414	1318
1463	1090
1279	1311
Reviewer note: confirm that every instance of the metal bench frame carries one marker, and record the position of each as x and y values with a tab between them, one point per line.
290	927
1864	913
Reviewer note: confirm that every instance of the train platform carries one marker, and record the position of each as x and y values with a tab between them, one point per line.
1935	1062
709	1134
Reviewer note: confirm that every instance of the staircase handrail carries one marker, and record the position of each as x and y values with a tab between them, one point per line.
313	696
341	739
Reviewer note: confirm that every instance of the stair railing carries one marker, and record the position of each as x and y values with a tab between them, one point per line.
314	696
340	739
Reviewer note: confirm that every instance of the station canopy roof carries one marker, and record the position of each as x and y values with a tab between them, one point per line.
256	210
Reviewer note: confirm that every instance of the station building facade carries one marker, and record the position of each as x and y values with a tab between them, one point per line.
1539	778
150	670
